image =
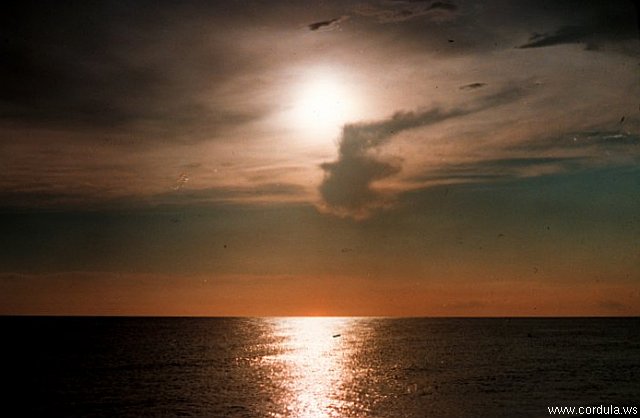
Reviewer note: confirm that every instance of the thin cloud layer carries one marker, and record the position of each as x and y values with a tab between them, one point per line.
617	142
493	170
574	153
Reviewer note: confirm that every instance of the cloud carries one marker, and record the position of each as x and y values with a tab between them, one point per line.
36	199
347	188
472	86
399	11
569	153
501	169
595	25
564	35
612	141
146	68
441	5
327	25
40	198
261	193
498	25
391	11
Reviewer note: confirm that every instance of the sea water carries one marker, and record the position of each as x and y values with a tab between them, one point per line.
316	367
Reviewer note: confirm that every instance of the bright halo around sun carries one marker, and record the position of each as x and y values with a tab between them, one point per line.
323	103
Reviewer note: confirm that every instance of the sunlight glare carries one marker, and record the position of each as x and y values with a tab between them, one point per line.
314	355
323	102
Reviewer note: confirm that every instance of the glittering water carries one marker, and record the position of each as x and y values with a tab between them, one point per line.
317	367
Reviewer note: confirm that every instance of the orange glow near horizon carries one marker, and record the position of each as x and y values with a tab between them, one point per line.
154	295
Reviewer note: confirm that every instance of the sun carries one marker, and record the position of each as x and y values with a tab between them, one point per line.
323	102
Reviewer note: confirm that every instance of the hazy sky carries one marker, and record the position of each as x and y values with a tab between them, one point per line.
391	157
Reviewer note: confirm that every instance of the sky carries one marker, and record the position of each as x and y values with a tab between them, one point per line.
268	158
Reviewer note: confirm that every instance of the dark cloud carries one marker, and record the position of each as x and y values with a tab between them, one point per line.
117	64
346	189
347	186
429	4
327	25
110	64
472	86
442	6
402	10
593	25
500	24
564	35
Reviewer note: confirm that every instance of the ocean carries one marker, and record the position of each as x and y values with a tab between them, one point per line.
316	367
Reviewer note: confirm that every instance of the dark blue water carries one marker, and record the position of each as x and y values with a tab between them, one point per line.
316	367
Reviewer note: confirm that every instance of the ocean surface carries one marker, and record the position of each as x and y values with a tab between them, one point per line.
316	367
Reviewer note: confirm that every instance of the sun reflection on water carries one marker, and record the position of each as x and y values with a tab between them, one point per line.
314	355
